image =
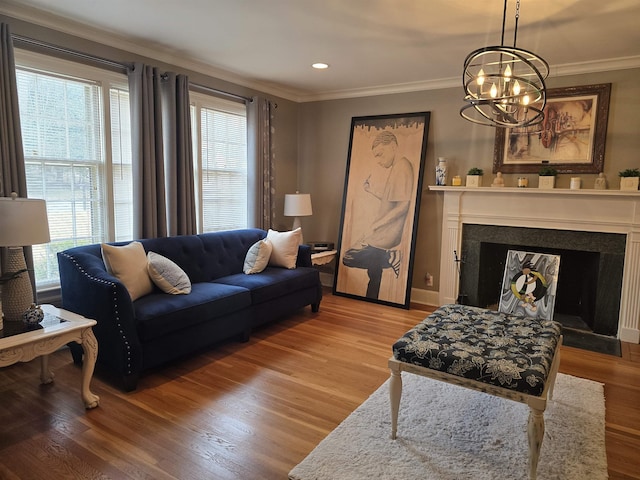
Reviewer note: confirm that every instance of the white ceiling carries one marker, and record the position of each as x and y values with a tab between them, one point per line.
372	46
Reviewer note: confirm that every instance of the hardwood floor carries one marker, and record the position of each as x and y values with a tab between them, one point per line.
248	410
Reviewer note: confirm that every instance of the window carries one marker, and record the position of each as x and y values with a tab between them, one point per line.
220	160
77	148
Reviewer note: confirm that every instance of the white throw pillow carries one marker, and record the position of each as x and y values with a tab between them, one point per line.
128	264
167	276
257	257
285	247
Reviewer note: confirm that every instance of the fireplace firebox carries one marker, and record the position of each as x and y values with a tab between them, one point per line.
589	280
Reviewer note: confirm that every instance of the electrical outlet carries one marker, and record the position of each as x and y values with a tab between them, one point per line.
428	279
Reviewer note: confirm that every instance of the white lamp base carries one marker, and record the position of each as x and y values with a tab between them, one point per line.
298	224
17	294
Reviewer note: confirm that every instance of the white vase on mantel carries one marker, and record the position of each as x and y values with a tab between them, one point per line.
441	171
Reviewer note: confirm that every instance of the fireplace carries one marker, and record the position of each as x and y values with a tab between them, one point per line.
596	232
589	279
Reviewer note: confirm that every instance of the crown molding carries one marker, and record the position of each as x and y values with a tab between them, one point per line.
382	90
622	63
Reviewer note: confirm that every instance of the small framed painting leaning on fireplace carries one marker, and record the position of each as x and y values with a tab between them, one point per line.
529	284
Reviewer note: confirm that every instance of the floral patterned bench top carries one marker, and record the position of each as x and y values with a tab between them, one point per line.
500	349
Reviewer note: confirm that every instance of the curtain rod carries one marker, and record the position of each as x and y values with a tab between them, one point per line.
220	92
38	43
123	67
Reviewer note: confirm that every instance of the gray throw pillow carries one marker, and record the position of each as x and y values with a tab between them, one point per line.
167	276
257	257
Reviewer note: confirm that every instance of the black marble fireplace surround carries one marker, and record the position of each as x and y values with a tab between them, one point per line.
589	280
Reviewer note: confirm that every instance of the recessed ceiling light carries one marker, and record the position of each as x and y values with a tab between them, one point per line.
320	66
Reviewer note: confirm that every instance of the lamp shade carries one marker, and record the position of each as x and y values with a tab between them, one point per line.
23	221
297	205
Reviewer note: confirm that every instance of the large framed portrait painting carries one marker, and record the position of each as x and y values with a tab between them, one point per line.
380	207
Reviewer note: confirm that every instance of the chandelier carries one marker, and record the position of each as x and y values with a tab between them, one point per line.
504	86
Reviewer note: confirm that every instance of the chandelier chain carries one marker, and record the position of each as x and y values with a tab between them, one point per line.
515	30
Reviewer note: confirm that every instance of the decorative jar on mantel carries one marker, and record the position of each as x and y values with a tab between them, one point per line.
546	182
474	177
547	177
629	179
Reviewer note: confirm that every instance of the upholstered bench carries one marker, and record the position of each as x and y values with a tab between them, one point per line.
505	355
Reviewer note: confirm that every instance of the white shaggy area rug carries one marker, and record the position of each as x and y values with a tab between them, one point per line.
447	432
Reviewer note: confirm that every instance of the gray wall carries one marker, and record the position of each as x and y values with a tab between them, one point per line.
324	129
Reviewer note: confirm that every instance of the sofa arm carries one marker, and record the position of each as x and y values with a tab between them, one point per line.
304	256
88	289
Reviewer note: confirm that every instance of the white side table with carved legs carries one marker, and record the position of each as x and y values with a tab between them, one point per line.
59	327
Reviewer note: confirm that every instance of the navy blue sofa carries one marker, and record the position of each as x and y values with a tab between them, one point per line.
159	327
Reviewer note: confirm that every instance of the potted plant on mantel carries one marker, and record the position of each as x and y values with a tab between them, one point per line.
474	177
547	177
629	179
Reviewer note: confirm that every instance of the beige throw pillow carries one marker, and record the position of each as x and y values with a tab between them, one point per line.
129	265
167	276
257	257
285	247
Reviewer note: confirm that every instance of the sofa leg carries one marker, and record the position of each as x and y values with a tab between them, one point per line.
130	382
315	307
245	336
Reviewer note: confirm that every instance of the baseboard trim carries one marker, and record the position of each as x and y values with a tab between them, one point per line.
424	297
631	335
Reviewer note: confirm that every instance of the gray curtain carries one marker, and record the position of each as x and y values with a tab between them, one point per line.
261	153
178	155
149	205
13	176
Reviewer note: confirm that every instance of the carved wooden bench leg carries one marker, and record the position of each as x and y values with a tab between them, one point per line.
395	393
536	434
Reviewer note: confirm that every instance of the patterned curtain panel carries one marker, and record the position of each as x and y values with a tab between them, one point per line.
178	155
149	205
262	153
13	176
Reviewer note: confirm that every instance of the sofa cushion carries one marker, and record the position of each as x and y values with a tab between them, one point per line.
285	247
167	276
274	282
159	314
257	257
128	263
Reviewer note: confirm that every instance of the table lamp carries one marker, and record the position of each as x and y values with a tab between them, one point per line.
23	222
297	205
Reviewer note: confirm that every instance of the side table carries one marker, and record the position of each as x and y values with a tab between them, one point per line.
19	343
322	258
323	262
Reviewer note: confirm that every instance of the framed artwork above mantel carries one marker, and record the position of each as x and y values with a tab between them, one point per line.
570	139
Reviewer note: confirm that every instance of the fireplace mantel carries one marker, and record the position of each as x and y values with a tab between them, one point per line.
610	211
